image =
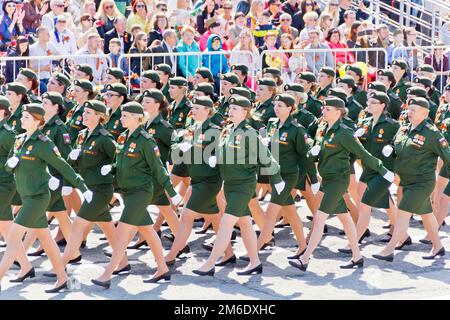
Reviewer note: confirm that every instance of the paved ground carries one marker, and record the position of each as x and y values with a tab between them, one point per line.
409	277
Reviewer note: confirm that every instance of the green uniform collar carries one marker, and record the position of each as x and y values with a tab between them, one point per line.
157	119
420	126
241	125
35	135
265	103
136	132
96	131
335	125
181	104
287	123
52	120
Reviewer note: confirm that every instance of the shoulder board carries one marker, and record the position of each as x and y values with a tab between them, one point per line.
273	119
390	120
166	123
315	99
43	138
104	132
295	123
214	126
393	96
343	125
188	103
430	126
145	134
59	122
357	103
7	127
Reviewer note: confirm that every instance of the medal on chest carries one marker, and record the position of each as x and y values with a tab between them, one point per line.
132	147
237	139
151	131
29	149
180	117
284	136
380	133
78	120
14	124
331	137
48	132
418	139
92	145
116	123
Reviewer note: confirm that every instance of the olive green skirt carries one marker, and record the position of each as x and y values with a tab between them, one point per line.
416	194
285	197
136	202
98	209
180	170
159	195
376	194
333	191
16	201
56	201
7	192
237	195
32	214
203	198
443	172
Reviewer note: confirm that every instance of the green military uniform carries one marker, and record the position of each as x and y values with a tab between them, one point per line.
114	125
165	92
395	105
361	97
14	120
321	93
354	108
33	98
303	117
442	114
7	184
75	122
252	93
444	173
314	105
137	162
400	89
96	150
261	114
32	177
58	133
68	105
223	107
436	96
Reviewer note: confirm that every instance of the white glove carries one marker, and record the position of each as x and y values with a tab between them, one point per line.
389	176
53	183
181	133
185	146
12	162
106	169
387	150
87	195
315	188
359	133
65	191
176	199
265	141
212	161
74	154
315	150
280	186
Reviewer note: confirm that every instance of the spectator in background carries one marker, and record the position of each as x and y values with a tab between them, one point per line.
263	27
382	40
440	62
286	43
62	38
275	11
311	20
21	49
98	63
168	46
272	58
334	41
285	26
349	20
344	5
246	43
57	9
85	28
187	64
212	27
256	11
139	64
160	24
305	7
216	63
89	7
395	51
118	60
325	22
317	60
226	18
208	12
332	8
410	35
106	16
119	32
11	24
235	31
444	32
297	63
244	6
291	7
34	11
140	16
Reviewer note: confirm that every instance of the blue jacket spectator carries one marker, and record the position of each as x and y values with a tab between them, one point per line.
216	63
188	64
11	24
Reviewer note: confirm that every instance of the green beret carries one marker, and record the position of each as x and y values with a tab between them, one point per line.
153	93
85	68
230	77
16	87
96	105
400	63
84	84
178	81
30	74
241	91
118	88
328	71
266	82
387	73
275	71
426	68
4	102
164	68
133	107
334	102
203	101
115	72
355	69
294	87
34	108
377	86
205	73
380	96
348	80
152	75
417	91
54	97
206	88
308	76
286	98
421	102
337	92
240	101
61	78
241	67
423	80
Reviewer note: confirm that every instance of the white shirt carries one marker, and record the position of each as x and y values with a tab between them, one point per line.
98	63
66	43
37	50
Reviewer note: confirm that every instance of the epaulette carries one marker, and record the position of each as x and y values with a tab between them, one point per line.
214	126
295	123
7	127
343	125
165	123
145	134
43	138
393	96
357	103
315	99
59	122
104	132
432	127
274	119
390	120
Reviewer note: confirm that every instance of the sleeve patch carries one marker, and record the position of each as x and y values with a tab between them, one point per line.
66	138
443	142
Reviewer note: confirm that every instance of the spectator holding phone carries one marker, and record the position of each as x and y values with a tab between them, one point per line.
11	25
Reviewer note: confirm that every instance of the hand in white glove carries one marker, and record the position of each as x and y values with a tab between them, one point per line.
12	162
387	150
53	183
359	133
65	191
280	186
106	169
87	195
185	146
389	176
181	133
74	154
315	188
315	150
176	199
212	161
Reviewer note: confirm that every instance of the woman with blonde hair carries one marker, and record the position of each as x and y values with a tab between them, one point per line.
256	10
106	14
332	8
325	22
246	43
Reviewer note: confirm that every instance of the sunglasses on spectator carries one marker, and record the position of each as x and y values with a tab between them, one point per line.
59	5
162	9
140	6
108	7
334	4
89	19
228	8
10	5
285	19
309	3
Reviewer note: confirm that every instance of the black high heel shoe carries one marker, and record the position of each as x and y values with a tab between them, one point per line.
57	289
76	260
61	243
366	234
440	253
127	268
295	257
36	253
425	241
169	236
204	273
230	260
207	246
387	238
407	242
186	250
104	284
137	245
345	250
204	230
164	276
359	264
29	274
258	270
389	258
299	265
